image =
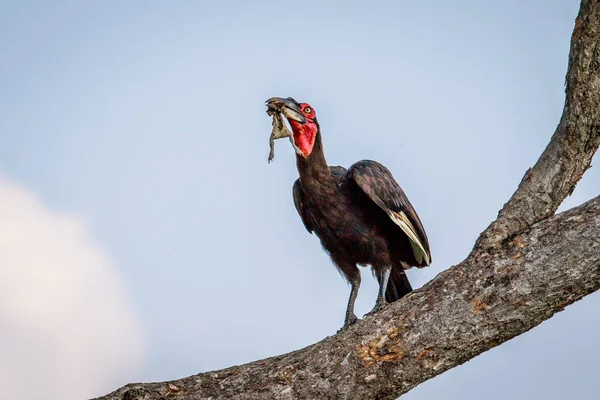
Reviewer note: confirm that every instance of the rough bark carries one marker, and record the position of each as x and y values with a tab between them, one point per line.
576	139
526	266
463	312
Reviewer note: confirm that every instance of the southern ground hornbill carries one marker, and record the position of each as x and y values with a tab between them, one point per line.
360	214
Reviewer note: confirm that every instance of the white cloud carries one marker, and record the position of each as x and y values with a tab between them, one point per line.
67	330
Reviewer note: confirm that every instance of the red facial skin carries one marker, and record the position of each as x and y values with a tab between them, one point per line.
305	134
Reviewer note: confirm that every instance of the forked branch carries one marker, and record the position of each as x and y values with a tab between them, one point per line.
570	151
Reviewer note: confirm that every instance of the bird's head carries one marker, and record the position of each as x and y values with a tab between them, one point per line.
302	119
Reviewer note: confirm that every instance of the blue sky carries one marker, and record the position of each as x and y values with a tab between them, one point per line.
146	120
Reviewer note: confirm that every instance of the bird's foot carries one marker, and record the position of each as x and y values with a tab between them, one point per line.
350	320
380	305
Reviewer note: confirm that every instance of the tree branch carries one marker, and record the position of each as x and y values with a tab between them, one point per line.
570	152
526	266
464	311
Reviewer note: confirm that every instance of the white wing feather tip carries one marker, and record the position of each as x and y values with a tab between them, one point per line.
407	227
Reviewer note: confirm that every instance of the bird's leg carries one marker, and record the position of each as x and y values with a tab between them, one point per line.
383	282
350	316
351	272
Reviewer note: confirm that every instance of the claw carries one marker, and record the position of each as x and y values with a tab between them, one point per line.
378	307
350	320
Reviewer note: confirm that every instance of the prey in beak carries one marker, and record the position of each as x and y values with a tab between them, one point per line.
302	120
289	107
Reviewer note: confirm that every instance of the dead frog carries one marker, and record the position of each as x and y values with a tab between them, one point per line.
280	130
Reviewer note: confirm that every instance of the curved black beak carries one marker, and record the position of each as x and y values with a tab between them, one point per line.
289	107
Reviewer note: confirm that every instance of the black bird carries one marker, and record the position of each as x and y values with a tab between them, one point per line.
360	214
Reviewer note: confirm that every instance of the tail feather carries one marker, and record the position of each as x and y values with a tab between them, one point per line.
398	285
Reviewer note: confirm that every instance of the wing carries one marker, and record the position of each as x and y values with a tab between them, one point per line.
380	186
337	172
299	203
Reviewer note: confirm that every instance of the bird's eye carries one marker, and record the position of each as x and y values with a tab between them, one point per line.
307	110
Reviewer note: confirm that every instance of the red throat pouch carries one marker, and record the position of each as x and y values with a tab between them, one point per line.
304	137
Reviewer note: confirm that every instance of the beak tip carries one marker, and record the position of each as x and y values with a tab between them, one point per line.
288	107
